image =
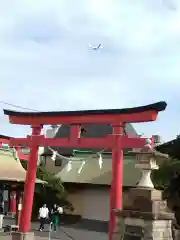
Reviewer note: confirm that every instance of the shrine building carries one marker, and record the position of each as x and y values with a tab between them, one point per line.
12	177
87	173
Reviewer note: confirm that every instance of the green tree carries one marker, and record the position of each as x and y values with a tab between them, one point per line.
167	178
51	192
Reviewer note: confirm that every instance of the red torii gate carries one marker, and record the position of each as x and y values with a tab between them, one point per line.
20	154
117	142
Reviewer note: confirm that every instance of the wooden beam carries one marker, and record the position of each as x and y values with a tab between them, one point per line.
104	143
111	119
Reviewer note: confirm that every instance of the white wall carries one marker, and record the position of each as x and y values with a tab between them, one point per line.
95	204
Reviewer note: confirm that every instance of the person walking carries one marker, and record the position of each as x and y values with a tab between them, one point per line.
60	211
55	217
43	216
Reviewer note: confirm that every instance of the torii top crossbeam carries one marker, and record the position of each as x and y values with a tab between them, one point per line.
127	115
117	142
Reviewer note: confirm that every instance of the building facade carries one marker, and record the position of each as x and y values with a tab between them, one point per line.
87	174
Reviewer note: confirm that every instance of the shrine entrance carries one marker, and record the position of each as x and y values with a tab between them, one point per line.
116	142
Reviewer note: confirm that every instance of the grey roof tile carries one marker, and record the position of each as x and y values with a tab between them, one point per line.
92	131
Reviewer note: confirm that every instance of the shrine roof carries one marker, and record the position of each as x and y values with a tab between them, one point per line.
92	131
11	169
91	172
158	106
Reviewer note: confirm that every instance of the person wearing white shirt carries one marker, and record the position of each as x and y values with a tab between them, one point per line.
60	210
43	215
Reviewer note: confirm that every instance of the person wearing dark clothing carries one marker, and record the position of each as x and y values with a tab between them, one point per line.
55	217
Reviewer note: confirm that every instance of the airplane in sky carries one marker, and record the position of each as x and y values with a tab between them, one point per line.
95	48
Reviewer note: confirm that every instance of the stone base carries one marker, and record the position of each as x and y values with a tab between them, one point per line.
135	228
147	201
144	217
23	236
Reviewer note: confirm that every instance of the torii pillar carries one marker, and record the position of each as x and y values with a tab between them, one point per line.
116	142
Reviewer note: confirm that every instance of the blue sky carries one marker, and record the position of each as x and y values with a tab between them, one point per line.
45	62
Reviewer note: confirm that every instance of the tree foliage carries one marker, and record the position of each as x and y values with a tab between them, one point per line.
167	171
167	178
52	186
51	192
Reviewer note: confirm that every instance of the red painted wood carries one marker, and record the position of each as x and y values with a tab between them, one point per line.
117	176
13	201
113	119
18	142
106	143
75	132
3	140
116	142
24	157
25	220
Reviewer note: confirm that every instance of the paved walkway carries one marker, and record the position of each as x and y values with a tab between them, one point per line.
63	233
37	238
73	234
76	236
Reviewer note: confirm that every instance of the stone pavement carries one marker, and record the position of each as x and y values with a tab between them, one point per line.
64	233
73	234
37	238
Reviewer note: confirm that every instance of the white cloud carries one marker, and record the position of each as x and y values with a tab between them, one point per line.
45	62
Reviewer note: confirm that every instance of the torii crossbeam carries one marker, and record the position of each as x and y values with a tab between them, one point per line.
116	142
